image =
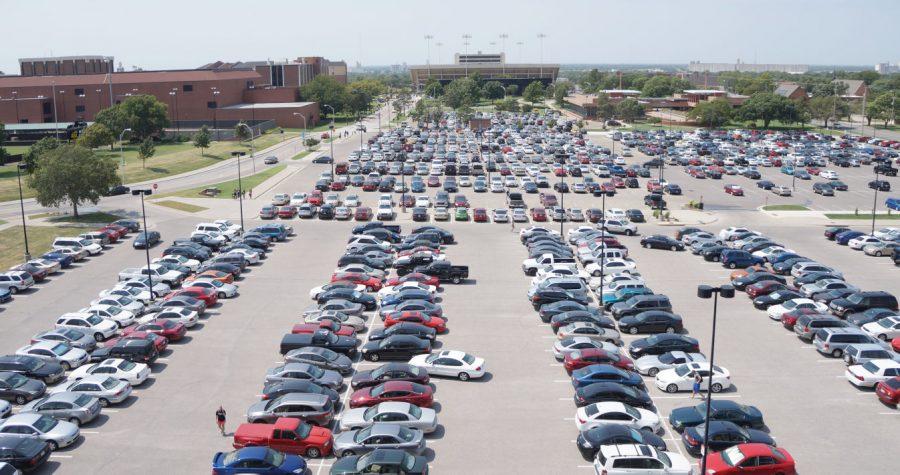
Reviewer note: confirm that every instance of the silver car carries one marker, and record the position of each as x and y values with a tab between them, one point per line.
567	345
66	406
321	357
56	433
400	413
313	408
66	355
72	336
650	365
344	306
358	323
378	436
107	389
307	372
590	330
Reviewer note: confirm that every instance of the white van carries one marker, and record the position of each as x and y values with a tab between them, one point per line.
78	243
218	229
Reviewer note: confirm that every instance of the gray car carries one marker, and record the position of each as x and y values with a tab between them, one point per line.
315	409
652	364
66	406
307	372
56	433
862	353
72	336
20	389
107	389
378	436
344	306
400	413
321	357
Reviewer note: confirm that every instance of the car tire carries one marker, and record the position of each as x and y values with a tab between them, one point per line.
633	330
53	445
21	400
629	232
457	280
883	337
716	388
98	337
221	295
13	290
313	452
877	253
463	376
672	388
372	357
652	372
670	329
674	248
346	453
76	421
647	245
837	353
104	402
65	366
732	265
596	273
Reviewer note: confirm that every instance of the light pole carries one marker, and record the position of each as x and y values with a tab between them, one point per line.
603	257
215	105
19	168
240	186
252	157
403	182
331	137
875	201
122	154
541	37
142	192
705	292
503	37
15	95
55	117
466	37
562	197
174	94
303	133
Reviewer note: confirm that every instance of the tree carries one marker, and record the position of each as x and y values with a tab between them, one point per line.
629	110
662	86
868	76
827	108
114	119
39	148
3	153
359	99
605	109
509	104
767	107
146	150
311	142
72	173
433	87
533	92
459	93
145	115
202	139
715	113
418	111
493	90
592	81
96	135
560	91
803	114
242	131
512	90
325	90
882	108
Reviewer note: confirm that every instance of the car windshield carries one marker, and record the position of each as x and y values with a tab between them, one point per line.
114	310
732	456
871	367
110	383
60	349
406	434
469	359
126	365
274	458
82	401
682	370
431	358
316	372
44	424
855	298
363	434
15	380
886	322
94	320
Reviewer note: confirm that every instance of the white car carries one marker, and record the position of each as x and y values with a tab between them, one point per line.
776	311
66	355
616	213
611	266
315	291
123	299
620	226
332	199
497	187
297	199
99	327
182	315
159	288
609	279
351	201
385	212
452	363
387	291
651	365
358	323
213	236
362	240
829	174
422	201
885	329
770	252
132	373
602	413
361	268
223	290
681	377
191	264
56	433
887	233
559	270
108	389
230	226
869	374
621	460
500	215
122	317
859	242
589	330
726	233
252	257
577	233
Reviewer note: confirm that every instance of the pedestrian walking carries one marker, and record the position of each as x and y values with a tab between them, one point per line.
250	193
696	388
512	226
220	420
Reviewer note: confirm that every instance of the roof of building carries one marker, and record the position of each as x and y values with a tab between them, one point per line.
786	89
703	91
267	105
853	85
66	58
132	77
484	65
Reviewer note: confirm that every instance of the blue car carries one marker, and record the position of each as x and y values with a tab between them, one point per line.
782	257
765	184
257	460
734	258
404	295
844	238
604	373
787	170
5	295
802	174
417	187
530	187
277	233
621	295
673	189
64	260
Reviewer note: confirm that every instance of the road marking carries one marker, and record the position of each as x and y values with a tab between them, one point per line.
90	432
111	411
162	360
56	456
890	413
565	399
568	418
717	396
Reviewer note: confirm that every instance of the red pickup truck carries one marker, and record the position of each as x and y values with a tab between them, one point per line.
287	435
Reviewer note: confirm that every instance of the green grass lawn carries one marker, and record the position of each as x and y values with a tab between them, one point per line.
97	217
303	154
864	216
180	206
228	187
170	159
12	243
785	208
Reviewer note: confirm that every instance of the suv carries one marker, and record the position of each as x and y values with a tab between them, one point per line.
733	259
834	341
15	281
864	352
134	350
641	303
639	458
862	301
807	325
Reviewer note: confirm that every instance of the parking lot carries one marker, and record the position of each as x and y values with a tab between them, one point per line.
520	417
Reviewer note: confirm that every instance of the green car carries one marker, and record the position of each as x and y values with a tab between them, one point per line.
462	214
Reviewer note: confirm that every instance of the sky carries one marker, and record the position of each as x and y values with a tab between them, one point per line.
167	34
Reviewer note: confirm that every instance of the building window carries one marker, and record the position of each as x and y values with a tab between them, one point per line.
187	88
23	121
79	92
249	84
79	108
48	108
211	105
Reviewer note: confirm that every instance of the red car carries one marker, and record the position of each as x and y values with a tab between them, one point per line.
160	342
765	287
172	331
789	319
618	182
895	344
373	284
370	186
654	185
813	170
414	277
363	213
608	188
438	323
315	198
548	200
433	181
402	391
110	234
888	391
338	186
734	190
460	201
538	214
208	296
560	171
408	200
418	249
287	435
340	168
591	356
336	328
479	215
115	228
752	458
287	212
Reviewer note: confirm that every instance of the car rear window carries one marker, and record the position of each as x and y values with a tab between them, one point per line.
822	335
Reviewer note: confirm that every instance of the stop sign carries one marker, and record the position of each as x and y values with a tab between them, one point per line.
154	186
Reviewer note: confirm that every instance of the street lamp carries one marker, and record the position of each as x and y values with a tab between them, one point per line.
705	292
215	106
250	131
174	94
141	193
302	134
15	95
122	154
19	168
562	198
875	201
238	155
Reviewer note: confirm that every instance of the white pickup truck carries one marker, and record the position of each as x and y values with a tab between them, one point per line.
531	266
157	272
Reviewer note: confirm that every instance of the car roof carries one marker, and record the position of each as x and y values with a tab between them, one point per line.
628	450
304	398
64	396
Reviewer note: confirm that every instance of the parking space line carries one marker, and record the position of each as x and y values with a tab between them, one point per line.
58	456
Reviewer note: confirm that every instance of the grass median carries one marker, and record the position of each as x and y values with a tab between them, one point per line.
863	216
226	188
785	208
12	242
187	207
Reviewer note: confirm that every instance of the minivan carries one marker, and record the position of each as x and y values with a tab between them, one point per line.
862	301
15	281
77	243
807	325
833	341
641	303
732	259
864	352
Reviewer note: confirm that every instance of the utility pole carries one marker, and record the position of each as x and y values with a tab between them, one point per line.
466	38
541	37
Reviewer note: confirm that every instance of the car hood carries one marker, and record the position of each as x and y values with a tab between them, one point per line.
257	408
345	465
687	416
62	430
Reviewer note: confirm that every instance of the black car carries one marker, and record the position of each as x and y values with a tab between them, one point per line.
275	390
552	294
784	267
713	253
635	215
346	259
752	174
589	441
663	343
720	410
833	294
562	319
350	294
722	435
381	461
612	392
742	283
220	266
549	310
653	321
326	211
419	214
118	190
880	185
323	159
24	453
404	328
179	301
868	316
446	236
47	371
389	372
321	338
561	187
146	239
132	225
658	241
395	347
20	389
323	358
188	252
813	277
765	184
776	297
